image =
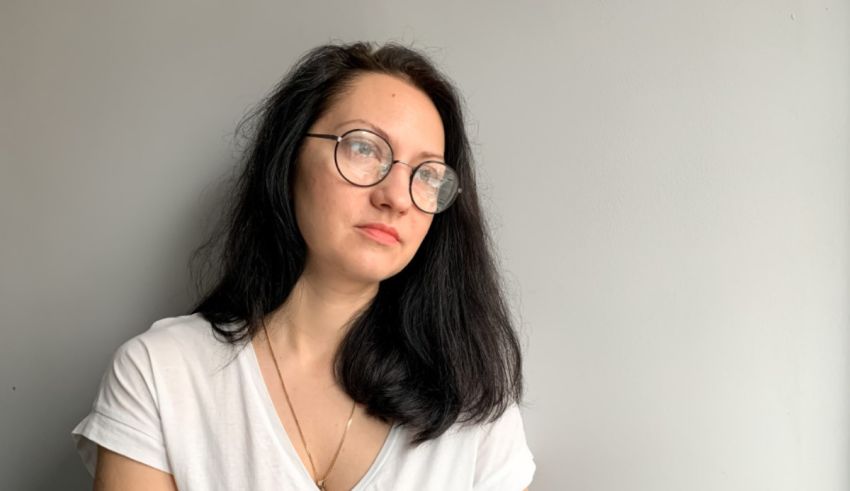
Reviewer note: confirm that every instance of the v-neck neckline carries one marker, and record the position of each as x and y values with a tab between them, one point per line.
286	442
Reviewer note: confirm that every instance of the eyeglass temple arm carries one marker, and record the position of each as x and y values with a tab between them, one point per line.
325	136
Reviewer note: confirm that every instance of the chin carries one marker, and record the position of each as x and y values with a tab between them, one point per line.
373	271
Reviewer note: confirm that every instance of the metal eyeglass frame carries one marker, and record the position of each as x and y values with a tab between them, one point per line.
338	139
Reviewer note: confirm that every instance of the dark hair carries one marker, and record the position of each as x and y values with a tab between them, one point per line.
436	345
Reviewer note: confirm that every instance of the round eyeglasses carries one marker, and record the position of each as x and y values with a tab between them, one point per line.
364	158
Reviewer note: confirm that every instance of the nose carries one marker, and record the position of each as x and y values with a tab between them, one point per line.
394	190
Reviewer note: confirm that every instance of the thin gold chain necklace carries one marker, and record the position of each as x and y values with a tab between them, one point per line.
320	482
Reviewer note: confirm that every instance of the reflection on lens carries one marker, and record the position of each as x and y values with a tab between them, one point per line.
362	157
434	187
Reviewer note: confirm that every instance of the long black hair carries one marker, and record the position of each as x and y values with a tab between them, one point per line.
436	345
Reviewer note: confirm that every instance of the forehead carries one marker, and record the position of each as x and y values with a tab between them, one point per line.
403	112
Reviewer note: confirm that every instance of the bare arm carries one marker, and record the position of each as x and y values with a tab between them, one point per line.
115	471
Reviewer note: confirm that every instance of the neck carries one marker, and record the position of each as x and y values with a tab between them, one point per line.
309	326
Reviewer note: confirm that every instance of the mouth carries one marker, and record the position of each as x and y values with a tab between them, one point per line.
380	233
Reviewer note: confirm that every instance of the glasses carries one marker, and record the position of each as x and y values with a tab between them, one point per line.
364	158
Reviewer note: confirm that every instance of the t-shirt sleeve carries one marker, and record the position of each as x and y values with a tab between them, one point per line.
504	461
125	416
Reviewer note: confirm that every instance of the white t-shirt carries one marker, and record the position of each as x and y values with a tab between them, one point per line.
170	400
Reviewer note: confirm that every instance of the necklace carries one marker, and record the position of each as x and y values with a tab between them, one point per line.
320	482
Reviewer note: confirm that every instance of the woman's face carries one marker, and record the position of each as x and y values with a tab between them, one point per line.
332	214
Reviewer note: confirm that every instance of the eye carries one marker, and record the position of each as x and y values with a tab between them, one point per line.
426	175
430	175
364	149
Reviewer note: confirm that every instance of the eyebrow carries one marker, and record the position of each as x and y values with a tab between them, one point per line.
424	155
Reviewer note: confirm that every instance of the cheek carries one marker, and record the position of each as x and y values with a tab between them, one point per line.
310	208
421	228
323	205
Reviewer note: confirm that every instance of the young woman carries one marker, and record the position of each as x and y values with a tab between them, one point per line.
356	336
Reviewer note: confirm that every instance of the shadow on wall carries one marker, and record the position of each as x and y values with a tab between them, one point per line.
173	292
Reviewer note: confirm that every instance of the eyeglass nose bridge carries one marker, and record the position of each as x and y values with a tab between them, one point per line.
390	168
396	161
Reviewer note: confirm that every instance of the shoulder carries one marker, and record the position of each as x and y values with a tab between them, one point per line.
503	454
183	335
185	330
157	388
492	455
511	416
174	346
506	427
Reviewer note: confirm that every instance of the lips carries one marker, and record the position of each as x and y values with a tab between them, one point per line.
381	229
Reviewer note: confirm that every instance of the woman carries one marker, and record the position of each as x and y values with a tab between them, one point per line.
356	336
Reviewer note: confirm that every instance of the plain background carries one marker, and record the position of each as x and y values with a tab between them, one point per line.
667	182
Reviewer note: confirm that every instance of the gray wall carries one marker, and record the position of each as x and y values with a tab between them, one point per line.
667	183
